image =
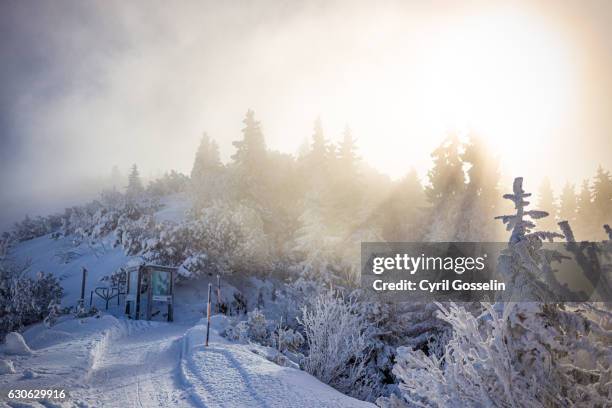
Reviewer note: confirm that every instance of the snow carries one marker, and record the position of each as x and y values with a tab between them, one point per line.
6	367
108	361
231	375
48	255
15	344
174	208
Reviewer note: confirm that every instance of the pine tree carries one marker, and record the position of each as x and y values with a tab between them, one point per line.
251	150
134	187
568	203
445	192
481	199
318	150
602	198
402	212
446	177
546	201
584	213
347	155
116	178
206	160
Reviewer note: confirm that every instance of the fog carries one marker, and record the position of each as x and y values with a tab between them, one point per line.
89	85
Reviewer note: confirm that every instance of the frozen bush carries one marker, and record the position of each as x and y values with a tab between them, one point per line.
257	323
24	300
527	355
338	342
290	340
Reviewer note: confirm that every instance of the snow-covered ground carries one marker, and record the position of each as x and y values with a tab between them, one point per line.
111	361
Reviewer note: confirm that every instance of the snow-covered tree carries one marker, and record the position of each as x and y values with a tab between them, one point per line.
514	354
445	191
250	152
134	187
338	341
568	203
602	197
546	201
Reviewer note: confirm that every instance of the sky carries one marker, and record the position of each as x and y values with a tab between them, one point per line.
89	85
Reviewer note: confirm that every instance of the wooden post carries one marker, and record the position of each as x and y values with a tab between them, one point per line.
280	327
208	314
218	294
83	278
90	298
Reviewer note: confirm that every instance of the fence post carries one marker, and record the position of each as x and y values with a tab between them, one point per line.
218	293
280	339
84	277
208	313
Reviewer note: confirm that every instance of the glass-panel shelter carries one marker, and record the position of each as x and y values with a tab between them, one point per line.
150	289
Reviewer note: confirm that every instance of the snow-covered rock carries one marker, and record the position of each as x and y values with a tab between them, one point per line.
15	344
29	374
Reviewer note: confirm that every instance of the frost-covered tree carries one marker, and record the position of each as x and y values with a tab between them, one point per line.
515	354
338	341
170	183
206	160
602	197
445	191
402	212
134	187
481	197
250	152
568	203
24	300
546	201
585	220
116	178
347	154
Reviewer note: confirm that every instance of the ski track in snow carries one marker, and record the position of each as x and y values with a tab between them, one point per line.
111	362
230	375
139	369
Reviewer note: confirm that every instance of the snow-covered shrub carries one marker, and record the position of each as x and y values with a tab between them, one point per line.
338	342
5	244
238	331
24	300
6	367
30	228
53	313
220	239
254	328
290	340
133	235
169	183
258	326
527	355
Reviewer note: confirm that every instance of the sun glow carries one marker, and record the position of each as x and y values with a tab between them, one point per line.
507	76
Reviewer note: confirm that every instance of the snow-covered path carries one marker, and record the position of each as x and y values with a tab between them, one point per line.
139	368
109	362
232	375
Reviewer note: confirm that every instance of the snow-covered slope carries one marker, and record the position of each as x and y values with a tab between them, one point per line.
110	362
65	260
